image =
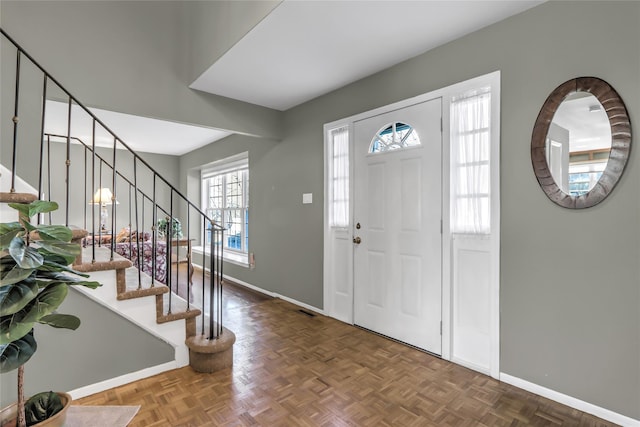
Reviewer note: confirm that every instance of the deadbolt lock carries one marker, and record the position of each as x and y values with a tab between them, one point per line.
358	226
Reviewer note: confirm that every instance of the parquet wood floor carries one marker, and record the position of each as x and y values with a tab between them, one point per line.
294	370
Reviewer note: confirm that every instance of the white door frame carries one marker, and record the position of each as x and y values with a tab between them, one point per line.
346	275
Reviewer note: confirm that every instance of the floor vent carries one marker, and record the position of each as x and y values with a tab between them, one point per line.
307	313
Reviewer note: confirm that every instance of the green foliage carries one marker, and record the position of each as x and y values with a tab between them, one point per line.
17	352
42	406
176	228
34	281
14	298
7	232
35	208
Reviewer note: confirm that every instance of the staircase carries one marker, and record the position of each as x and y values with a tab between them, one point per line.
141	197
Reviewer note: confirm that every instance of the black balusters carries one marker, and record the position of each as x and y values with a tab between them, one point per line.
213	284
189	266
204	263
49	173
44	111
154	236
68	164
93	188
15	119
140	254
84	205
113	197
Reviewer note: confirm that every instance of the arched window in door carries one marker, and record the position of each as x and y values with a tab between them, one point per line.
394	136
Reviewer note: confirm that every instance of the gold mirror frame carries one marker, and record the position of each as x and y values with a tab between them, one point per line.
620	142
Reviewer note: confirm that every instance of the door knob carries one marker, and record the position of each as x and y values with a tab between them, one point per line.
357	240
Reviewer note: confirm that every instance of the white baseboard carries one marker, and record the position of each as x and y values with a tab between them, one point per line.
301	304
269	293
581	405
274	294
250	286
474	366
121	380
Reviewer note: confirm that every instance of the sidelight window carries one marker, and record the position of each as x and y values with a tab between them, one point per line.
470	162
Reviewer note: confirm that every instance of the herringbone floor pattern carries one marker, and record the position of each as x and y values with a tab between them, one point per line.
291	369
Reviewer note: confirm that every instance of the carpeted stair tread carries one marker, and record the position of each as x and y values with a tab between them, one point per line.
143	292
102	261
179	309
76	234
138	286
192	313
24	198
88	267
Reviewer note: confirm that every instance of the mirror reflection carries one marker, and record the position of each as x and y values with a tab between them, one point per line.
578	143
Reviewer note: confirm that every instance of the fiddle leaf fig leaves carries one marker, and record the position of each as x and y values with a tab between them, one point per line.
63	321
51	266
14	298
18	324
17	353
35	275
48	300
42	406
7	232
35	208
61	248
55	233
13	274
25	256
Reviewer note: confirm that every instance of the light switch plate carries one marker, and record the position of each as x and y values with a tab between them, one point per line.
307	198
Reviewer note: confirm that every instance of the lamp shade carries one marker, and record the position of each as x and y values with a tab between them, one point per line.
103	196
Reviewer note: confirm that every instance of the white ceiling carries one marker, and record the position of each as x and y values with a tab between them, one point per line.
301	50
141	134
587	122
304	49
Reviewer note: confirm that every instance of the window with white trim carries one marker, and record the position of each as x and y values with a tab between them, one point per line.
394	136
339	173
470	162
225	199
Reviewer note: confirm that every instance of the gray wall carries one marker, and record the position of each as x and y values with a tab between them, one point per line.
570	280
570	287
105	346
215	26
131	57
283	232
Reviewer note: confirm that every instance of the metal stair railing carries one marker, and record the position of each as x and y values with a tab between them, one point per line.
143	205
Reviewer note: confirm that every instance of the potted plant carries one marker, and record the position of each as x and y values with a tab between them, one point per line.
176	228
34	281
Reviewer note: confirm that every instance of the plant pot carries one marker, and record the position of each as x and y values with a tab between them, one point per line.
9	415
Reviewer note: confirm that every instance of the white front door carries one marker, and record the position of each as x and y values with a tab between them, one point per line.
397	222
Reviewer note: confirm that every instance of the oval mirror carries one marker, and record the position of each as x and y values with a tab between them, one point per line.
581	142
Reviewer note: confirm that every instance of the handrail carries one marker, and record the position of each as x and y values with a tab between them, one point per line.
126	180
117	139
210	229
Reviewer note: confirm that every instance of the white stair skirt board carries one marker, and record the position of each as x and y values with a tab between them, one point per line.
140	311
121	380
578	404
269	293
